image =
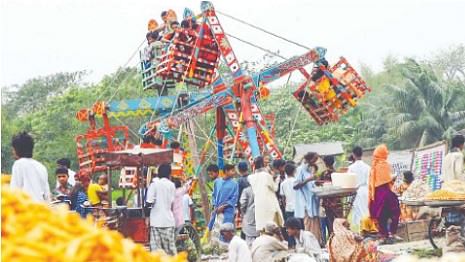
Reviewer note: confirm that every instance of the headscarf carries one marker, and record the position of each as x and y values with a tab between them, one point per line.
188	15
345	238
380	172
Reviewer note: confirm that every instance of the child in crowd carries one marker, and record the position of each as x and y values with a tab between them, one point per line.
328	204
406	213
287	191
406	182
288	196
96	193
150	52
64	188
152	25
188	207
178	204
174	26
78	196
278	166
103	182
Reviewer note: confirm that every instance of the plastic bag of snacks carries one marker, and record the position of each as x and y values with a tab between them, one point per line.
443	194
31	231
455	186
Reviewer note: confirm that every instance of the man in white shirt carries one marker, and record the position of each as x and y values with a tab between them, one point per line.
288	192
28	174
188	208
237	248
453	162
359	167
454	170
161	194
362	170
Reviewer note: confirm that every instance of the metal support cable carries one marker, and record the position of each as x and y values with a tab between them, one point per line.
293	126
119	72
257	46
263	30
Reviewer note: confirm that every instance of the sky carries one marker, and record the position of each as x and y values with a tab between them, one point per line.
41	37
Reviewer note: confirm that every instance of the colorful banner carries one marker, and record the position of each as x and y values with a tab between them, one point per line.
427	164
400	161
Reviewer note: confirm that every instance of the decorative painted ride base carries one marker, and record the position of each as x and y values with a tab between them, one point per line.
332	94
232	145
191	57
128	178
94	144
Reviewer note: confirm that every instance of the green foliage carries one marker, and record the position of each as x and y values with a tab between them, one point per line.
50	115
424	107
411	103
34	94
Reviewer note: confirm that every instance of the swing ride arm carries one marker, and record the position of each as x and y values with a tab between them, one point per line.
200	102
239	101
295	63
243	88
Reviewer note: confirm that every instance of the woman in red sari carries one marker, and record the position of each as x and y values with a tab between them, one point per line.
383	202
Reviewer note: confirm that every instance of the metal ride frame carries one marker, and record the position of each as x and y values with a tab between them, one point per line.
238	103
325	97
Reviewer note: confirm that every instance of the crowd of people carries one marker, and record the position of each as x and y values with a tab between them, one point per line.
31	176
275	202
279	211
170	204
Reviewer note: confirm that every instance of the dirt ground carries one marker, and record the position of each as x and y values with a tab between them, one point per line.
405	247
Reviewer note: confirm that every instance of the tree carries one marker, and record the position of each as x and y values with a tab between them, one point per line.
411	103
423	108
451	63
34	94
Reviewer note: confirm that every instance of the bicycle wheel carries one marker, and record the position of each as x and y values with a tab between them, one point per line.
192	244
437	232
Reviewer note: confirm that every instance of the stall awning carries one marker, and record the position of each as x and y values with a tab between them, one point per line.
139	157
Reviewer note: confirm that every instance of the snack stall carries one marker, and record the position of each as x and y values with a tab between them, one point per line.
138	169
134	164
450	199
338	194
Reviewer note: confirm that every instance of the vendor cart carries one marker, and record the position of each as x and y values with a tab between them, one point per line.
341	199
131	221
452	213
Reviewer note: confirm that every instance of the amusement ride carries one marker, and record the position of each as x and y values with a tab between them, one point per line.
196	61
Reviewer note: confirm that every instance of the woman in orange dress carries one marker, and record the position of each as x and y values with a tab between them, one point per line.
383	202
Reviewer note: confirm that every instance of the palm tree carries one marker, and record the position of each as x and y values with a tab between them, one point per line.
424	109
